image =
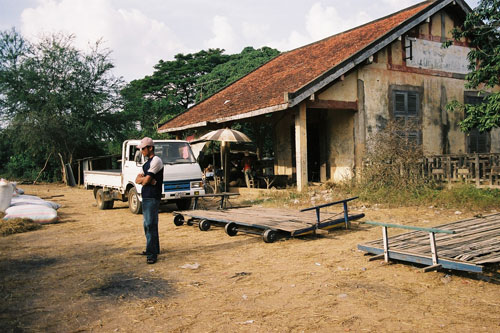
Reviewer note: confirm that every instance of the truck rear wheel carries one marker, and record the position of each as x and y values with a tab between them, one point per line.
101	203
134	204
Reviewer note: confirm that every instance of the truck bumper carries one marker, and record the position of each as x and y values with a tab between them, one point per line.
183	194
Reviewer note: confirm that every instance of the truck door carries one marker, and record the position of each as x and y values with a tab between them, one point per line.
132	165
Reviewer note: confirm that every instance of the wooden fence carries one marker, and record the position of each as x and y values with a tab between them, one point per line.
482	170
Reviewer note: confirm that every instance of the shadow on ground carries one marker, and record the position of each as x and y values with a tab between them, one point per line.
125	286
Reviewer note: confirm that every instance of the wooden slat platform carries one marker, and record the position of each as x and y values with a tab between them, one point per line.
287	220
476	242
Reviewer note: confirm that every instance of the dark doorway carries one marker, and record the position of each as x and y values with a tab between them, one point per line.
314	126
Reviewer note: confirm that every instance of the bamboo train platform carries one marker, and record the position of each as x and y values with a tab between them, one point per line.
270	223
465	245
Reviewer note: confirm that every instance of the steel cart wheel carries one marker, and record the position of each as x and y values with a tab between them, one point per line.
204	225
178	220
231	229
190	222
270	236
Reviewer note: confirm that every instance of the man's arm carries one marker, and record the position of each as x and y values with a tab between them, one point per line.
144	180
156	166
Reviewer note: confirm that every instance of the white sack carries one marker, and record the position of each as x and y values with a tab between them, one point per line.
6	192
37	213
32	200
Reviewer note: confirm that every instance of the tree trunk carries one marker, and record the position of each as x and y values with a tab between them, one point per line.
46	161
63	169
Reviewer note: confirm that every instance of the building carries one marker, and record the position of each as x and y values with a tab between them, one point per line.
327	98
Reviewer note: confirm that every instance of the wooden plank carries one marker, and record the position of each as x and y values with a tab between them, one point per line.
432	268
463	171
332	104
401	226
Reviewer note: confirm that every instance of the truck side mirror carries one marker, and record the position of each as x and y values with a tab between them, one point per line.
138	158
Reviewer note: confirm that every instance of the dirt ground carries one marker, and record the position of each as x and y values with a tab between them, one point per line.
85	274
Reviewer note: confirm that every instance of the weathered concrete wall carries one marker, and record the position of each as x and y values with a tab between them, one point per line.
439	127
431	55
433	71
343	90
340	133
341	144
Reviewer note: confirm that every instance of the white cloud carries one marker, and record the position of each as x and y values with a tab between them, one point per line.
293	41
254	31
322	21
399	3
224	36
138	42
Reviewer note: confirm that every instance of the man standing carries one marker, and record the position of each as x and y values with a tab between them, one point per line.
151	180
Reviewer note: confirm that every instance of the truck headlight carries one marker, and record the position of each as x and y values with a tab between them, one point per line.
197	184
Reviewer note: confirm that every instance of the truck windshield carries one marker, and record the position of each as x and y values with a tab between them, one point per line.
174	152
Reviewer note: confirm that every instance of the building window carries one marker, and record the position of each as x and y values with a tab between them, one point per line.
477	142
406	113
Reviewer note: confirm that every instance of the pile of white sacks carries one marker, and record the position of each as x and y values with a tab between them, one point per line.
15	204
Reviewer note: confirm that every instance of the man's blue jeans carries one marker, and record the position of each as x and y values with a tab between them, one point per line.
150	208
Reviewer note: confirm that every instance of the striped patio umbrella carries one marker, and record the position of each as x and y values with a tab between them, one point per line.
225	134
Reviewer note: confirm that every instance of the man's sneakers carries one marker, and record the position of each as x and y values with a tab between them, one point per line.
151	260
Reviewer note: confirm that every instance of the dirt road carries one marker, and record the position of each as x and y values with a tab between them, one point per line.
85	274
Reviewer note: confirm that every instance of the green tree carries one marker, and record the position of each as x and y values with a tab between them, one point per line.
55	99
235	68
482	29
189	78
170	90
179	77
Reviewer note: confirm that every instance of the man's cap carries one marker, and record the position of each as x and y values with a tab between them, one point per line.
145	142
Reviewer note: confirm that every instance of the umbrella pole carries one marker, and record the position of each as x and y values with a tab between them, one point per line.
222	150
213	157
226	173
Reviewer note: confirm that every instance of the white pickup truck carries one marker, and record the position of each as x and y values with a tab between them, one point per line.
182	177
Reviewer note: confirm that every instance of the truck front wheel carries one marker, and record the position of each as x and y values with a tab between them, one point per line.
134	204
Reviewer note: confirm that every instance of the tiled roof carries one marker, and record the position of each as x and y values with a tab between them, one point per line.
288	72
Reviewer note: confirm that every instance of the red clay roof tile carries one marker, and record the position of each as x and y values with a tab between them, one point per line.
288	72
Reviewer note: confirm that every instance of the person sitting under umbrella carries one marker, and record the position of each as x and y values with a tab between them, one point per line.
247	163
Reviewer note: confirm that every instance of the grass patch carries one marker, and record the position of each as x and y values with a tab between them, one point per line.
16	226
467	196
456	197
463	197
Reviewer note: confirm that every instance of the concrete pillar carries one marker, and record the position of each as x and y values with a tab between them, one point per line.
301	146
360	129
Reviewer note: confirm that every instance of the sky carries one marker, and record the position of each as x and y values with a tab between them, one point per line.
141	32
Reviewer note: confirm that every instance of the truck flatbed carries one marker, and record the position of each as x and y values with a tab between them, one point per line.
106	172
